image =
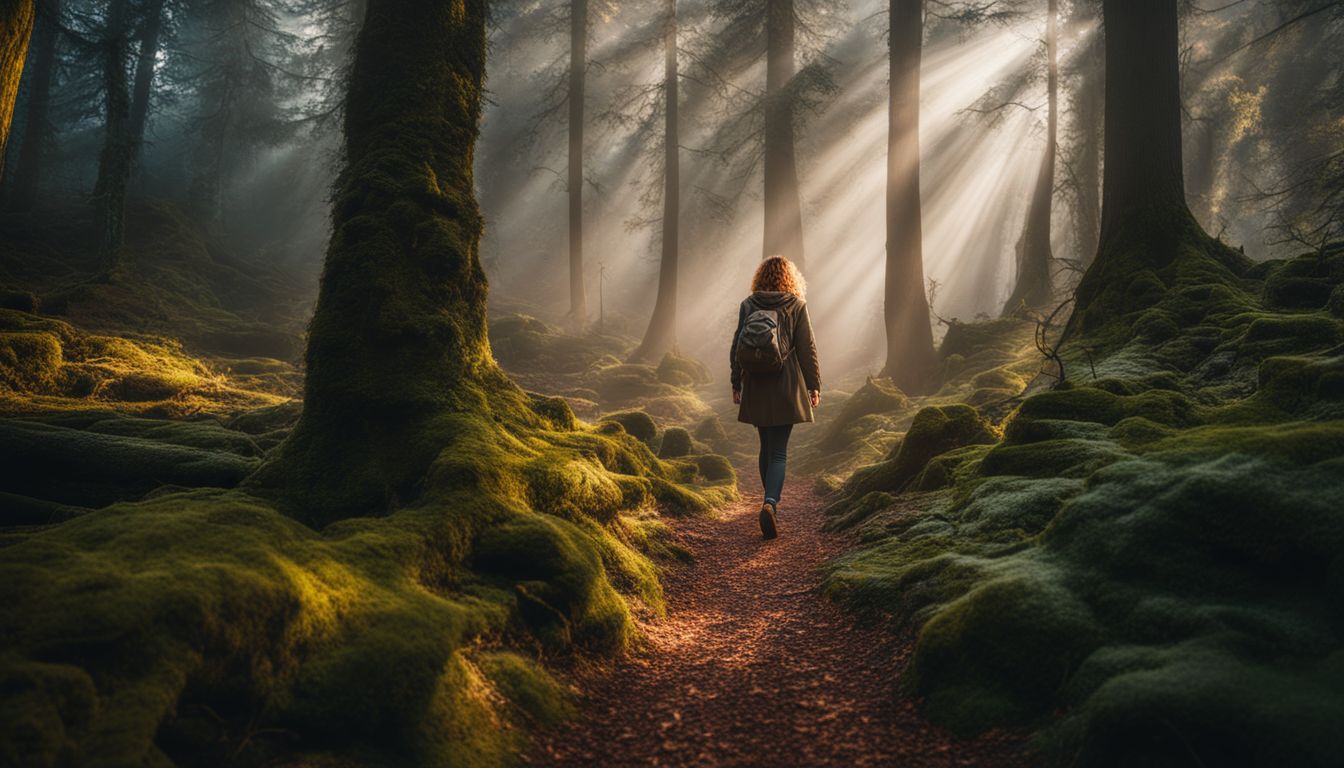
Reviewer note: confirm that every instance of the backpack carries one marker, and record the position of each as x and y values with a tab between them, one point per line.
760	345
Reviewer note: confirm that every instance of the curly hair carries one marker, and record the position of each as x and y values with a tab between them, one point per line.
777	273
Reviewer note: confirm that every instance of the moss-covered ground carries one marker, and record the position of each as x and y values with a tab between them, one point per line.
158	608
1144	561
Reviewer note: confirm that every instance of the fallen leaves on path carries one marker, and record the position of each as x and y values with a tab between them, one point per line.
753	667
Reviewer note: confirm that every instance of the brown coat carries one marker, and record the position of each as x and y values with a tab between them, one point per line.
770	399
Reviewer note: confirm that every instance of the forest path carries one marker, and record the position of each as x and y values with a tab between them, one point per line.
753	667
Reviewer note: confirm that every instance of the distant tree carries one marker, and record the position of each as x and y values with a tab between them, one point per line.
758	128
36	134
235	77
145	59
16	27
578	71
783	201
1082	160
911	360
114	163
1032	286
662	331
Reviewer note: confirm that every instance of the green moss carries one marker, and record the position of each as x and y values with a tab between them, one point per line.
1148	565
676	443
682	371
876	396
1050	458
1024	632
529	687
711	431
636	423
935	430
49	364
714	467
84	468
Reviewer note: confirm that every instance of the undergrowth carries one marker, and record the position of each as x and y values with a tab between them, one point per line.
1146	565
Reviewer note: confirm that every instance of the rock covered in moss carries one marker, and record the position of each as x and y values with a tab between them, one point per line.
936	429
711	431
636	423
715	467
676	443
682	371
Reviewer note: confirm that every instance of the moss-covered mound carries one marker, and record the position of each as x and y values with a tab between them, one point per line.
588	371
935	431
1153	550
194	621
49	364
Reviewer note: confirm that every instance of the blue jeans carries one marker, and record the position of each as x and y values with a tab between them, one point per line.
774	454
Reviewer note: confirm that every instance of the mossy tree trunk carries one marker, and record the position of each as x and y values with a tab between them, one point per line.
1033	288
911	360
16	27
578	71
36	136
783	202
397	344
114	163
144	72
1145	222
662	332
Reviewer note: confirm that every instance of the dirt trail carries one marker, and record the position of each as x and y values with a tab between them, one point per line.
752	667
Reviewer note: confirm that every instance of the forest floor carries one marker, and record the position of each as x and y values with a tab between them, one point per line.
753	666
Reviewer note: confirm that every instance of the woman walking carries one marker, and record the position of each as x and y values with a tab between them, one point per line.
776	376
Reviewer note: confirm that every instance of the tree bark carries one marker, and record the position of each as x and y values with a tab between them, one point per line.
1143	184
1145	222
36	137
16	27
783	203
114	164
1203	168
397	353
1033	287
144	72
662	332
911	361
578	65
1088	109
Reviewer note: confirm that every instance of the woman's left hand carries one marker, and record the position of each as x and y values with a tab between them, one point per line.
816	397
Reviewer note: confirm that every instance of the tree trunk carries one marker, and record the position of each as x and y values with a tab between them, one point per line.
114	164
1088	109
144	72
397	355
1145	221
36	137
16	27
783	203
662	333
578	65
1203	168
911	360
1143	184
1033	288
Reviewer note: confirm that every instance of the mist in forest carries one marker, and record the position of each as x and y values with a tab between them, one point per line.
364	396
242	113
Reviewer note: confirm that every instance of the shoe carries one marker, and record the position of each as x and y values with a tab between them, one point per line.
768	528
